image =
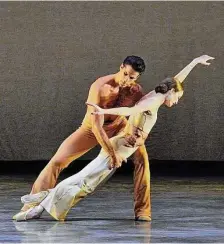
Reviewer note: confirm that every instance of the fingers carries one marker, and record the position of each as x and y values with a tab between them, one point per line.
98	110
130	141
96	113
111	166
116	164
93	105
205	62
128	145
210	58
204	58
207	56
90	104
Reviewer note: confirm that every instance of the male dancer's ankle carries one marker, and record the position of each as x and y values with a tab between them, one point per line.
143	218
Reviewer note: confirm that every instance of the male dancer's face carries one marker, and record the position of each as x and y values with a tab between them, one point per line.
127	76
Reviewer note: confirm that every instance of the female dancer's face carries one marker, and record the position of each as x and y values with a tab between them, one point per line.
172	97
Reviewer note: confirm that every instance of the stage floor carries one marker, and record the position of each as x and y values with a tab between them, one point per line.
184	210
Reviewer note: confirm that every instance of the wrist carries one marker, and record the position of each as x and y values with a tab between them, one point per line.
113	156
195	61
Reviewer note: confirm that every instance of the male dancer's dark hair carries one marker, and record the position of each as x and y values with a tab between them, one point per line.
136	63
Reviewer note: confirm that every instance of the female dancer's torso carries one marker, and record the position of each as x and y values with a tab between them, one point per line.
139	126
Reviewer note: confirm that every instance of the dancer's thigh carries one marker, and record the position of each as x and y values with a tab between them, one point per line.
79	142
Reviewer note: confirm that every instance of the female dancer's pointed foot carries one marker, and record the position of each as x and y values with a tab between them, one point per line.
28	206
34	198
32	213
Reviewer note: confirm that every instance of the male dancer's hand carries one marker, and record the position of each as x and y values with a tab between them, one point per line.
116	161
130	141
134	141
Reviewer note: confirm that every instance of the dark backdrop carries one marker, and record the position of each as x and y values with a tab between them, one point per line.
52	51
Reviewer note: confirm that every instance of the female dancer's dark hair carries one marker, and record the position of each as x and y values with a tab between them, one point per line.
168	84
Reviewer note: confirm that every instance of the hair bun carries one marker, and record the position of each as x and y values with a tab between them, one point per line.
162	88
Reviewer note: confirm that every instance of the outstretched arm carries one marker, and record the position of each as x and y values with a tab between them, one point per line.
149	102
143	105
185	72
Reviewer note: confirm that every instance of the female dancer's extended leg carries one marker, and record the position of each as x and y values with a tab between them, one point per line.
70	191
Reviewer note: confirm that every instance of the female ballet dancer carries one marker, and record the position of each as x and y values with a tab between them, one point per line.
59	200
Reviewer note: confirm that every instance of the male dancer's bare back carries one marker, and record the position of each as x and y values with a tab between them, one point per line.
109	91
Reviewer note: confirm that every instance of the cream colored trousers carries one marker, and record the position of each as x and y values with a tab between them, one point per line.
73	189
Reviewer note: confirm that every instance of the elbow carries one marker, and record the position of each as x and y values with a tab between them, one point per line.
134	111
129	111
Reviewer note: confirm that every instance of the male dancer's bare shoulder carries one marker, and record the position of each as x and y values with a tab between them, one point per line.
104	91
111	94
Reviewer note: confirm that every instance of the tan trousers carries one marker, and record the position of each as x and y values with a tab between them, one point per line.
80	142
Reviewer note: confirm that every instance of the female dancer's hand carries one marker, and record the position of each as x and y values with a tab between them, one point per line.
203	59
98	110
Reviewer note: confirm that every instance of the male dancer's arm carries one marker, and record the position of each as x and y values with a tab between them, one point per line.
97	122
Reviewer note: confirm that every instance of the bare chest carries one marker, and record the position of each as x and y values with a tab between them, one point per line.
109	96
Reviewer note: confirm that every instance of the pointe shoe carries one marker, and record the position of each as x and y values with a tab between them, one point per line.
24	210
21	213
15	216
34	198
143	218
32	213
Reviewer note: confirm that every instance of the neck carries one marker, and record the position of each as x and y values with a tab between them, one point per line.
114	81
160	97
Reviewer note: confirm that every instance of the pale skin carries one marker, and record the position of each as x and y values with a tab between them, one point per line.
153	100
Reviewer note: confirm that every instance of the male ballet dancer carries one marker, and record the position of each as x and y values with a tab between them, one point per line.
115	90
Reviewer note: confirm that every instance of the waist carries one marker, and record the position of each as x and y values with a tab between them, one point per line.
132	130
